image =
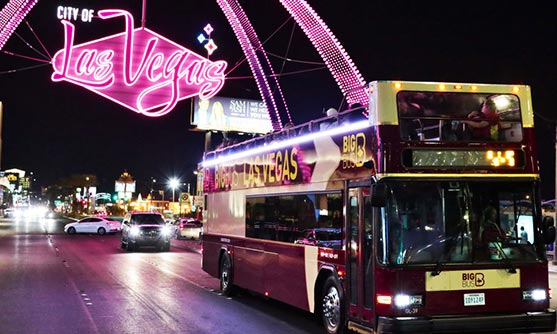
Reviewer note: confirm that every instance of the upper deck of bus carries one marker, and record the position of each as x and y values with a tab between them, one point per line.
376	138
383	108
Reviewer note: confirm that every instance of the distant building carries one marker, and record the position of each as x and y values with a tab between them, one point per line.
17	183
125	187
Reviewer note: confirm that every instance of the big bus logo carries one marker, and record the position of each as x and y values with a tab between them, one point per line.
353	150
473	280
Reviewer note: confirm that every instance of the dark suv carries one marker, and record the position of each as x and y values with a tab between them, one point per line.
145	229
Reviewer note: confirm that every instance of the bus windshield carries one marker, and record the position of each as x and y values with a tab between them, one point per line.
433	222
465	117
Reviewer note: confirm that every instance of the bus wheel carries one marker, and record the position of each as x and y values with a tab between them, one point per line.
226	276
332	307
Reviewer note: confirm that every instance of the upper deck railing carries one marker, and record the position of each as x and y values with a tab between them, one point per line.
325	125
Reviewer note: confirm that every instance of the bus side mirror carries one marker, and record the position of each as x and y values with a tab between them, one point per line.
548	230
378	195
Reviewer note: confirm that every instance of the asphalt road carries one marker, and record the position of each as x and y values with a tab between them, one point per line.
51	282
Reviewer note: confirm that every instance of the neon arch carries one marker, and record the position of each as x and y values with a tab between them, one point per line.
343	69
260	65
346	74
11	16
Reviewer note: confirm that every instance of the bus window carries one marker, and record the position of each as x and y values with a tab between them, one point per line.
459	222
470	117
310	219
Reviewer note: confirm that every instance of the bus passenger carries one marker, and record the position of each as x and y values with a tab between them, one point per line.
411	112
523	235
485	124
491	231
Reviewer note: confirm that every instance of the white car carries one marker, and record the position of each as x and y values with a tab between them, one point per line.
188	228
100	225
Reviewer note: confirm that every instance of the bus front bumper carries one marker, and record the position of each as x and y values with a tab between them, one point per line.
502	323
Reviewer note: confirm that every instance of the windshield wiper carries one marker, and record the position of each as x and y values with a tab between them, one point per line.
510	267
444	257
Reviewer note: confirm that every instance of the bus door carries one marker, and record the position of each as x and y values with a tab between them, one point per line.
360	256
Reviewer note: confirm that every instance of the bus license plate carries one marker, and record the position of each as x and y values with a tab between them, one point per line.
472	299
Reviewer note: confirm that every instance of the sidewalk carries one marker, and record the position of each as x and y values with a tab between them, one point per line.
192	245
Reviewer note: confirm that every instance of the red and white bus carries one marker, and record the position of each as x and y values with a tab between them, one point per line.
404	217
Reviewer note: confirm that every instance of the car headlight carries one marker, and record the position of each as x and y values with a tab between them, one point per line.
166	231
135	231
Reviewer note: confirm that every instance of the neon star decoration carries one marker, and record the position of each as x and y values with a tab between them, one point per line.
201	38
210	46
208	29
138	69
11	16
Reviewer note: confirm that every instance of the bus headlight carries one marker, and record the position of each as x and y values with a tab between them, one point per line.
403	300
535	295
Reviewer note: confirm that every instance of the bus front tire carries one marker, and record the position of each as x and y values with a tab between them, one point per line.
332	307
226	276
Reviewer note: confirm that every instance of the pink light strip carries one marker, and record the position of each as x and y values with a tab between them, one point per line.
277	145
341	66
11	16
26	57
258	62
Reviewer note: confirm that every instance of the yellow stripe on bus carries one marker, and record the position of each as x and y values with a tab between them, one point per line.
472	280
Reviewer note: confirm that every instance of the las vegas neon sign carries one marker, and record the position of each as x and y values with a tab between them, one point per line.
138	69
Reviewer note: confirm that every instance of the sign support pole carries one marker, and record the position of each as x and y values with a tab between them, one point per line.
143	10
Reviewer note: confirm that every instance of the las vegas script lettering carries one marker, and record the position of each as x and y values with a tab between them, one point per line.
138	68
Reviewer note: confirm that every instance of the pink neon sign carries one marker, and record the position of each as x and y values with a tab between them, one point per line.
138	69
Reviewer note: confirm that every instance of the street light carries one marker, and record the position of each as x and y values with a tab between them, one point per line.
151	206
173	183
86	195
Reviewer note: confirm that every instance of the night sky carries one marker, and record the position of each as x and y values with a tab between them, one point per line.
56	129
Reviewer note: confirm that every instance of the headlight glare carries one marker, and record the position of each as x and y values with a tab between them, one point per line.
134	231
404	300
167	231
535	295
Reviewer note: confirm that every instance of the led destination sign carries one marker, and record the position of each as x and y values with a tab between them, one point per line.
422	158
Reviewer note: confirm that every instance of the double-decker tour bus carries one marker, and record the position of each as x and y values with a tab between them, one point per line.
418	214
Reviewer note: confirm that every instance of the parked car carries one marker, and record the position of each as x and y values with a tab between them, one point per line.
99	225
145	229
188	228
